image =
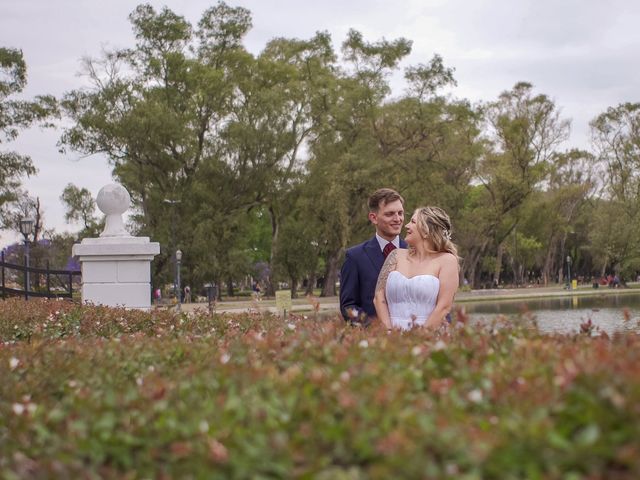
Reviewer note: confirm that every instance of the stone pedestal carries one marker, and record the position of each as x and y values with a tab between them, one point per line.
116	271
116	267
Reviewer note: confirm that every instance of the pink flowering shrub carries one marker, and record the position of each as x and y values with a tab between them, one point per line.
90	392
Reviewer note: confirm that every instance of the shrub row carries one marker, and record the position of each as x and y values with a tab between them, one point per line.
91	392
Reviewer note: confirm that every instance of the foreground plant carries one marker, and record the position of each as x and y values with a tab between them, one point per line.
96	392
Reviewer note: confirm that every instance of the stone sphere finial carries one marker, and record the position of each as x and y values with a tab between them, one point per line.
113	200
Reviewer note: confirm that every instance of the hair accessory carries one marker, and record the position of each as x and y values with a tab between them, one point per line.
447	234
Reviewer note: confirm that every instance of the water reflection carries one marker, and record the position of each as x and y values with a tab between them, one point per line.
611	313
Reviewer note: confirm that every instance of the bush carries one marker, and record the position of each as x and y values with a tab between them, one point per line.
97	392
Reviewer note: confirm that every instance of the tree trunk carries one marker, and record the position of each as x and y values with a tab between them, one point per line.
229	287
311	284
471	264
218	292
275	230
561	266
498	268
549	261
520	274
293	284
331	274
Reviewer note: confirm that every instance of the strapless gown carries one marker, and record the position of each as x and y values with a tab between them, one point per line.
411	300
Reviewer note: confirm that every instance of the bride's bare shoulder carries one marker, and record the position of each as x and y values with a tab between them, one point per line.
403	253
448	259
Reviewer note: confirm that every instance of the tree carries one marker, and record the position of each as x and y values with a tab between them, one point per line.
24	206
523	132
431	143
346	165
298	253
80	206
16	115
616	233
271	121
570	186
156	112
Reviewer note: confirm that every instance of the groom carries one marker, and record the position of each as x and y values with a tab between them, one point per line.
363	262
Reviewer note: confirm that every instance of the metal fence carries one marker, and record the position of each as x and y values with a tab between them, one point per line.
57	283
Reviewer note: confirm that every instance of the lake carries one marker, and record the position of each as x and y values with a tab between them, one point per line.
565	314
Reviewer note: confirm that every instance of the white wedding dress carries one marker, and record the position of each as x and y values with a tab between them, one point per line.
411	300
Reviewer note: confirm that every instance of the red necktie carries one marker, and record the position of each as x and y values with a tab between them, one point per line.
388	248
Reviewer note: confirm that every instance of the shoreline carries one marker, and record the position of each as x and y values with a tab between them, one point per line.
325	304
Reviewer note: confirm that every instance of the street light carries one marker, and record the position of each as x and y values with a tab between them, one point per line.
26	228
173	204
172	243
178	260
569	272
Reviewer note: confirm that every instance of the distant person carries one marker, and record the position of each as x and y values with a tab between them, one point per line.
257	290
363	262
187	294
416	286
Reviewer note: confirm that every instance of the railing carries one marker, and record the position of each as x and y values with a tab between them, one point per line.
64	290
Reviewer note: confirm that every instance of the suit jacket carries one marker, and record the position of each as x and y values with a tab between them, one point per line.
358	277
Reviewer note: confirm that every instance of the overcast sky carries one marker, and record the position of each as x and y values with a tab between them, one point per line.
582	53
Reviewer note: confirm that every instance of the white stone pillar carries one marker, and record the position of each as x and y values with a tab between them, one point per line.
116	268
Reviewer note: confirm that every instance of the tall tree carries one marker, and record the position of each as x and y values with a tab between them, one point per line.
16	115
156	111
345	164
430	142
570	186
616	236
272	120
523	132
80	207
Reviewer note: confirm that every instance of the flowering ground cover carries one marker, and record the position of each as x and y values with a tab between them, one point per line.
89	392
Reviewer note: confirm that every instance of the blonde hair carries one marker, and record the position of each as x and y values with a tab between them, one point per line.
435	225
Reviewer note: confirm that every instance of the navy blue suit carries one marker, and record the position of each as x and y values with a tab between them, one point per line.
358	277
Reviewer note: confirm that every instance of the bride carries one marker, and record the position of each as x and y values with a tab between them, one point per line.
417	286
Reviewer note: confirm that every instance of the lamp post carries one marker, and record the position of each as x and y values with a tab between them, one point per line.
569	272
26	228
172	244
178	290
173	204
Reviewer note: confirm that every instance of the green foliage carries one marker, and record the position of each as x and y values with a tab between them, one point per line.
616	136
16	115
97	392
523	131
237	158
22	206
80	206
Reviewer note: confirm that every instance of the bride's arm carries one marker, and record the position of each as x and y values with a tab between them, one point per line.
449	279
380	298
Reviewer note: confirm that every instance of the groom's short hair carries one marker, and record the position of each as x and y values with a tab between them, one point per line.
383	196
